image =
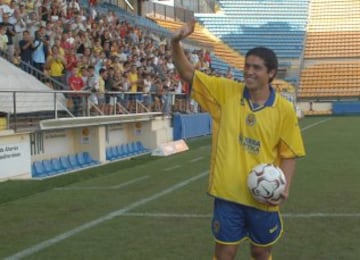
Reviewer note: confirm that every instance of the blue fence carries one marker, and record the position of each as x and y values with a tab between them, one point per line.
346	108
191	125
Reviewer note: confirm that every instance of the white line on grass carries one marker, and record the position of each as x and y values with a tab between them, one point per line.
286	215
315	124
172	168
197	159
121	185
321	215
47	243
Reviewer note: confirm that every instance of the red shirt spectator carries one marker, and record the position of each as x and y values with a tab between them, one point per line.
71	60
92	2
75	82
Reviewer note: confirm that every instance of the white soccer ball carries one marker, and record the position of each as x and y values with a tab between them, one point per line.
266	182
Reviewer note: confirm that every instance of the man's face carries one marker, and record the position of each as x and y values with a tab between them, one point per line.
256	74
26	36
5	17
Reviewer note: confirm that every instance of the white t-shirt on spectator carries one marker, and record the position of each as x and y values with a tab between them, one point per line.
4	8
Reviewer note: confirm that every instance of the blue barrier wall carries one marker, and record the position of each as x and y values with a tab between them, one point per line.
191	125
346	108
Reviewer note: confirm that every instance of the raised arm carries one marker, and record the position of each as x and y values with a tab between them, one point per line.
182	64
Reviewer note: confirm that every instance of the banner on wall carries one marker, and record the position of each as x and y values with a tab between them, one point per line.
170	148
85	136
15	160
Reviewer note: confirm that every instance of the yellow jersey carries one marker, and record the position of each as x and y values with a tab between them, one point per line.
244	136
56	67
133	77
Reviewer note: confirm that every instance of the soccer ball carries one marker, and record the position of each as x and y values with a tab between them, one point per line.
266	182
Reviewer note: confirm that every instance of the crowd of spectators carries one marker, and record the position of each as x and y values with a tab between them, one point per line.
120	64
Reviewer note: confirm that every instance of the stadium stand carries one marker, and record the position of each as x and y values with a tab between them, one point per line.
245	24
223	56
331	69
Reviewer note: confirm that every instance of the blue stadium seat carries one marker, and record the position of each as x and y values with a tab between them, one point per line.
33	170
56	165
141	147
64	161
130	149
135	148
88	159
127	152
73	161
81	160
115	152
40	171
49	167
121	151
109	154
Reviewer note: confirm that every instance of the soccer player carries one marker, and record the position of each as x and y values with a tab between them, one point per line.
252	124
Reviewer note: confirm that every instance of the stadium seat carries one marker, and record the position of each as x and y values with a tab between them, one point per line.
114	152
49	167
109	154
56	165
121	151
64	161
81	160
88	159
135	148
130	149
40	171
73	162
33	170
141	147
127	152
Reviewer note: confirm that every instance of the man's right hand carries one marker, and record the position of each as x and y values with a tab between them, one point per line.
184	31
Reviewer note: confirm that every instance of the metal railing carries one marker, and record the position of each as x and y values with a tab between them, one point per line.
40	105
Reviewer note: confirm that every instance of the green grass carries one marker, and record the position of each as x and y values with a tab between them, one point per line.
326	182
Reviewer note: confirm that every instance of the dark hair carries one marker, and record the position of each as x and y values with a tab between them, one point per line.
268	56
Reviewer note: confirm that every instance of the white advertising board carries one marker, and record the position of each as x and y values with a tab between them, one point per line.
15	160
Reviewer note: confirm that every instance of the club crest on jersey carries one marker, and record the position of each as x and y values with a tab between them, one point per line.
250	119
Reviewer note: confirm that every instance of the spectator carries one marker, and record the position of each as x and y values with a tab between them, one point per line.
134	81
76	83
147	98
4	9
56	64
44	11
40	51
19	27
10	33
26	46
3	38
29	6
71	62
74	4
100	89
166	100
32	23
